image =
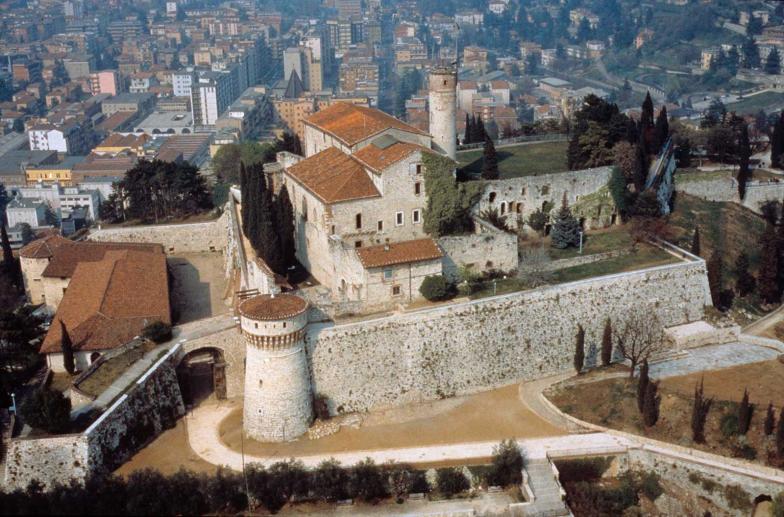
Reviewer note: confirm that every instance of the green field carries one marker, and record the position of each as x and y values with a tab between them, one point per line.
520	160
761	101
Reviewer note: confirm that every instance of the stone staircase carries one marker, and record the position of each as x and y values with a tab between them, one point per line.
547	501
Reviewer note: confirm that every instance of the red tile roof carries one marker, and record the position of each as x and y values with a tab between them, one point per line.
108	302
350	123
419	250
65	259
379	159
334	176
43	248
266	307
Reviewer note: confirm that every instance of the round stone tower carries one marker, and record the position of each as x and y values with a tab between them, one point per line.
443	110
278	400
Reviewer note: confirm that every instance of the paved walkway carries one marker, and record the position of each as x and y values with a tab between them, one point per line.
712	357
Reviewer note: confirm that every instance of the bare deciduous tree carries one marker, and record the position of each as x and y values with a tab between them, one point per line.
640	336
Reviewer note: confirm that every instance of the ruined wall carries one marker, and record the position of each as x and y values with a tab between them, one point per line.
467	347
491	249
175	238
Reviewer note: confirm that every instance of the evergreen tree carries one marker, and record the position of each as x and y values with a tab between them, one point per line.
468	130
489	161
8	254
777	142
268	238
67	348
745	281
773	63
245	194
647	123
769	266
699	414
744	153
770	420
619	192
640	175
566	229
650	411
715	275
745	412
695	242
579	349
607	346
250	203
642	385
780	436
750	51
481	134
284	217
476	131
662	129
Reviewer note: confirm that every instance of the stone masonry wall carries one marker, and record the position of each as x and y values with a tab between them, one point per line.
468	347
726	189
150	406
232	345
491	249
175	238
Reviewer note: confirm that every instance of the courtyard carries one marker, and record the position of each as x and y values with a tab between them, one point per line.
198	287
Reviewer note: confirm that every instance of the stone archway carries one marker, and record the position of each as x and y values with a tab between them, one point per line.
202	374
762	506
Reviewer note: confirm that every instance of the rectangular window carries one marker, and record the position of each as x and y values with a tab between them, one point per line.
419	168
416	217
357	244
388	273
417	188
359	221
399	219
395	290
381	226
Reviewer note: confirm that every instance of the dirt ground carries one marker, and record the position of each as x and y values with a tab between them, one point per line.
168	453
612	403
199	285
491	415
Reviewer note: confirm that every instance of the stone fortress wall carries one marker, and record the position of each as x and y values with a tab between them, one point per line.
520	197
153	404
468	347
725	189
487	249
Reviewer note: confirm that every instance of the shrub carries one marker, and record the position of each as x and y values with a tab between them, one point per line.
451	481
435	288
508	464
744	450
367	481
419	484
583	469
650	486
707	484
225	492
330	481
47	409
777	510
729	425
737	498
158	332
321	407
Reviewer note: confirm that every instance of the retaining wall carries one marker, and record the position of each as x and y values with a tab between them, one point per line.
491	249
726	189
464	348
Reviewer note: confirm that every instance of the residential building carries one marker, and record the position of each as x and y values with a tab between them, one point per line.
105	81
26	211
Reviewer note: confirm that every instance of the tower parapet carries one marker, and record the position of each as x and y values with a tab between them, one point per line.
442	88
278	402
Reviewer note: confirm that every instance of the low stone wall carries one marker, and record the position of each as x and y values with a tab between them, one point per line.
579	260
725	189
175	238
467	347
152	405
491	249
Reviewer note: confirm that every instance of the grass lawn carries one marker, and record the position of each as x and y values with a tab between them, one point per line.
754	103
599	241
520	160
111	369
646	256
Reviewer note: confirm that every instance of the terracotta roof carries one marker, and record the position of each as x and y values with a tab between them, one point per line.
120	140
378	158
65	259
399	253
350	123
43	248
269	308
334	176
108	302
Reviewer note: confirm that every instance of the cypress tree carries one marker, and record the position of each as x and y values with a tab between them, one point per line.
476	135
715	275
646	117
699	414
744	153
745	282
745	412
780	437
640	173
256	188
769	267
8	254
481	134
489	161
619	192
662	129
607	346
268	239
776	146
67	348
285	223
642	385
244	192
566	230
695	242
468	128
770	420
579	349
650	412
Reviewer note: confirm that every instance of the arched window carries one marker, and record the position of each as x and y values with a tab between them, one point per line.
491	197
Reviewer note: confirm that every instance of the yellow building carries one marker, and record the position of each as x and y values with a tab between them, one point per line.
117	143
55	172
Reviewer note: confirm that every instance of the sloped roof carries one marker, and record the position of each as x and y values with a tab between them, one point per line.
108	302
379	158
334	176
278	307
350	123
43	248
294	88
419	250
65	259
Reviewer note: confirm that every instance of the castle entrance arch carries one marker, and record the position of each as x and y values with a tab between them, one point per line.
202	374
